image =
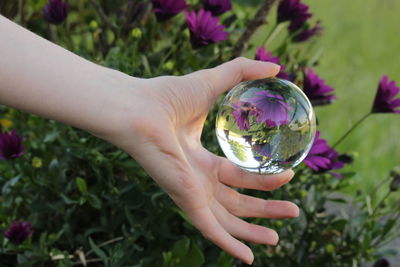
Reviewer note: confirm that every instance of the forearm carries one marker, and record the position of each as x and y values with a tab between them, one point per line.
40	77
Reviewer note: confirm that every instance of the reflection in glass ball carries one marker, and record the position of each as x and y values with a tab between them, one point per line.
265	126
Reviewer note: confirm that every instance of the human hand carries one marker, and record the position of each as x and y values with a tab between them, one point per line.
162	132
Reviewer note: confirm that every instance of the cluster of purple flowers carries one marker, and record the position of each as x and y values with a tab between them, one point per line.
203	25
323	158
314	87
297	14
265	107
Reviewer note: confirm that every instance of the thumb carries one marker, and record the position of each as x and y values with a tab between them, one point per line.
229	74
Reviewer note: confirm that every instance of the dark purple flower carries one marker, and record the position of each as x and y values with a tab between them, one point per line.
322	157
241	112
264	55
385	101
271	108
56	11
18	232
307	33
293	11
165	9
382	262
11	145
204	28
316	90
217	7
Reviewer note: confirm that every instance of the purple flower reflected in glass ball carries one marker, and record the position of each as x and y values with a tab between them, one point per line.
265	126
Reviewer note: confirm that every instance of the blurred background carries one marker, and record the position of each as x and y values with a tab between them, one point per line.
359	44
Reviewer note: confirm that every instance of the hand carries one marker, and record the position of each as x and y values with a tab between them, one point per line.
163	132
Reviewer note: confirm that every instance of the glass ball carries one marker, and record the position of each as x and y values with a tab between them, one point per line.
265	126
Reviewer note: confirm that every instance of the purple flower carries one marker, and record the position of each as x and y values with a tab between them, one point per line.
385	101
293	11
241	113
18	232
11	145
204	28
217	7
271	109
316	90
56	11
308	33
165	9
264	55
322	157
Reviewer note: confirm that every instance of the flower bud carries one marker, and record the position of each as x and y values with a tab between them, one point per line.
395	175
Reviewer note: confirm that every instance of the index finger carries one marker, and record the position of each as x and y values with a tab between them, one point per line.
230	174
229	74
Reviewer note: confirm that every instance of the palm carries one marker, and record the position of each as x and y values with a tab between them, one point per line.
197	180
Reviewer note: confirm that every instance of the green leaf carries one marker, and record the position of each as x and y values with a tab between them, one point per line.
183	215
390	252
224	260
339	224
99	252
194	257
9	184
181	248
81	184
94	201
67	200
337	200
387	227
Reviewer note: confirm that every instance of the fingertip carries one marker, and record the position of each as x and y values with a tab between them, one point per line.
274	238
295	210
273	69
250	258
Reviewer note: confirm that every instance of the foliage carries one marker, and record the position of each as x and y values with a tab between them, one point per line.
91	204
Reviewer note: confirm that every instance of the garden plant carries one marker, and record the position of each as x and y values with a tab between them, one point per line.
69	198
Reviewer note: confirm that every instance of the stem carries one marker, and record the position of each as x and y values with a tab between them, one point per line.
258	20
351	129
378	186
104	18
21	4
106	243
380	202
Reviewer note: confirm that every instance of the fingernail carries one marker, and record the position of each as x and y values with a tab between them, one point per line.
275	66
250	259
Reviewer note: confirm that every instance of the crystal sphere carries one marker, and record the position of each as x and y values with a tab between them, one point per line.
265	126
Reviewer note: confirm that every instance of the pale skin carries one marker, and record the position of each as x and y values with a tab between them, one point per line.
159	118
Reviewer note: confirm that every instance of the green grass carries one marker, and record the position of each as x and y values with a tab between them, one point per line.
360	44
